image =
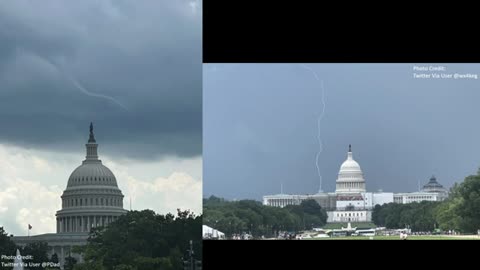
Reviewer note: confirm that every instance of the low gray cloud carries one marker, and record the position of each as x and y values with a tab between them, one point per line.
131	67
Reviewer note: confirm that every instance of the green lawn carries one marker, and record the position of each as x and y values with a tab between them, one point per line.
396	237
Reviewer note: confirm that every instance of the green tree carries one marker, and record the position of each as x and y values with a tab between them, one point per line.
469	205
143	240
54	259
70	262
378	216
418	216
314	213
446	215
7	247
251	216
38	251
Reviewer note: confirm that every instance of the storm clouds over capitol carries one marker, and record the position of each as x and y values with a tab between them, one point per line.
134	69
260	127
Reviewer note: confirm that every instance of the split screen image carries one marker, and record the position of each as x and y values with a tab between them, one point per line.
119	148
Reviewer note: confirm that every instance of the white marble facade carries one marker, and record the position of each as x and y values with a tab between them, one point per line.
350	201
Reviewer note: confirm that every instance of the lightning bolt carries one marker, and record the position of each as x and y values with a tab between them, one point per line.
80	87
88	93
319	120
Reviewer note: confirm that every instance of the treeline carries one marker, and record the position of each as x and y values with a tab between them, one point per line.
460	212
416	216
137	240
249	216
143	240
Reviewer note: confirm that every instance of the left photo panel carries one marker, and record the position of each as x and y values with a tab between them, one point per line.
101	134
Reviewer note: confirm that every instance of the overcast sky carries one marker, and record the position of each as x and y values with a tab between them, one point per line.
260	127
131	67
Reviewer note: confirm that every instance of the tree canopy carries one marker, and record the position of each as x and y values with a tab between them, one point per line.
143	240
250	216
460	212
7	247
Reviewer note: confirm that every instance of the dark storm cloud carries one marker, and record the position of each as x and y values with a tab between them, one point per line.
131	67
260	127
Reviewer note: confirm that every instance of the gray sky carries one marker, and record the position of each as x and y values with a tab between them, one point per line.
131	67
260	127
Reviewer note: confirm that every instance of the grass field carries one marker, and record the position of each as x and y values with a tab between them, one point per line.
396	237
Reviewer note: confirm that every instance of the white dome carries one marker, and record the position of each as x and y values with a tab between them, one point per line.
92	197
92	173
350	166
350	176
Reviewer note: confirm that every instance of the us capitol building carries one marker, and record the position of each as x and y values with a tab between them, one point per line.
351	201
92	198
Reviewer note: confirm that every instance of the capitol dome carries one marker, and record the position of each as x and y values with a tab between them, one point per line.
92	197
350	176
92	174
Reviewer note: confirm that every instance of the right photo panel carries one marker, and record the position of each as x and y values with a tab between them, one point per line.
341	151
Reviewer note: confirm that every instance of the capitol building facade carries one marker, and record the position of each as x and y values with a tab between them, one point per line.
351	202
92	199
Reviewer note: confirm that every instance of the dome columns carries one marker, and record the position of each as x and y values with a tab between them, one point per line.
83	223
